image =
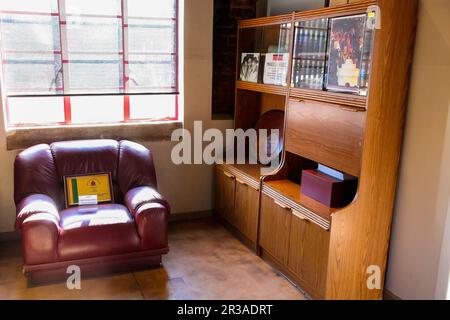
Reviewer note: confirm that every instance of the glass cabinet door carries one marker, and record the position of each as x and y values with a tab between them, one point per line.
264	54
310	49
332	54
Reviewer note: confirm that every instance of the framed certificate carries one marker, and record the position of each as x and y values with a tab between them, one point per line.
88	189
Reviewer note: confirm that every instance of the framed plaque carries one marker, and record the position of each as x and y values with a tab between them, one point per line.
88	189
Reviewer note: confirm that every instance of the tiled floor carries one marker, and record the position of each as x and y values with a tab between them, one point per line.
205	262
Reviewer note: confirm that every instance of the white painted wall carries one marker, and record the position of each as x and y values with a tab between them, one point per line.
424	185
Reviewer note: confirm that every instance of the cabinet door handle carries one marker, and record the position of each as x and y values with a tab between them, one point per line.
281	205
299	215
229	175
241	182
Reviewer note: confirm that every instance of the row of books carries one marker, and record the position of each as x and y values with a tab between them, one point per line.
311	38
310	53
308	73
329	54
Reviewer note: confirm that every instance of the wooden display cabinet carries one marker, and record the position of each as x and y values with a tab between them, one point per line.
326	251
253	99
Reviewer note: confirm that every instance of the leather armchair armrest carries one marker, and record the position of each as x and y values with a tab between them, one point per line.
38	219
40	233
36	204
151	213
152	220
137	197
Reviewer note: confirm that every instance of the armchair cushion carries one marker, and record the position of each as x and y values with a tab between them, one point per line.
94	231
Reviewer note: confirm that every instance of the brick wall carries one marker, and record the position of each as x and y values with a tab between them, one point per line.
226	15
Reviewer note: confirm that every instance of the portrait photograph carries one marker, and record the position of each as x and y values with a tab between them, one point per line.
249	67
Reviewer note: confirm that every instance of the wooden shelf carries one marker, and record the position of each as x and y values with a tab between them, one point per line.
260	87
265	21
344	99
293	191
336	11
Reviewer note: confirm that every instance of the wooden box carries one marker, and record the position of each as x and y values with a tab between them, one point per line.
328	190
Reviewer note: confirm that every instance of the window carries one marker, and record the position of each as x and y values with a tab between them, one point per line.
73	62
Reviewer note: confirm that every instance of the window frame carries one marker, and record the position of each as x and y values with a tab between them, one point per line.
65	61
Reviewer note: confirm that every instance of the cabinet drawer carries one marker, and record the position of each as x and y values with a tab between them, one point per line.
308	253
246	209
225	186
275	225
326	133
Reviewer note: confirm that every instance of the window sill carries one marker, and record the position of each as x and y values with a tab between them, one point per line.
24	138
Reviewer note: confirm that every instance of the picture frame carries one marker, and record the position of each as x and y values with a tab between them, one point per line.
345	53
250	67
99	185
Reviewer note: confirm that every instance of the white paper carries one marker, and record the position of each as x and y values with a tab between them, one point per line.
88	200
275	68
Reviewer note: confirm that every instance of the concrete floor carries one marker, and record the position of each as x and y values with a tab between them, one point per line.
205	262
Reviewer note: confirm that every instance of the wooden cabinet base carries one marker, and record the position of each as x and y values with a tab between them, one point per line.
303	286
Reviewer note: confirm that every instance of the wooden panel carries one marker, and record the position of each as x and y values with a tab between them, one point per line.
272	102
275	224
328	134
250	105
247	109
330	97
246	210
265	21
360	233
224	195
260	87
342	10
308	254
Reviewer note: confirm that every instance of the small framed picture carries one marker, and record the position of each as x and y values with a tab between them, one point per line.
88	189
250	67
345	53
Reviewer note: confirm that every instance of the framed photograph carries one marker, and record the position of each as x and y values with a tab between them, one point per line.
88	189
345	53
250	67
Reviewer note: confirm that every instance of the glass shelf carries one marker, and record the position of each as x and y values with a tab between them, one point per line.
264	54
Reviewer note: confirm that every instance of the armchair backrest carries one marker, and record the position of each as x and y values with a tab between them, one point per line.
41	169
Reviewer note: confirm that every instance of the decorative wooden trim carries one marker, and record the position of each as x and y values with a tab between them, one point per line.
330	12
288	203
259	87
243	176
330	97
265	21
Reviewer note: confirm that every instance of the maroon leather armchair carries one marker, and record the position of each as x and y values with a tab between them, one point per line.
130	233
